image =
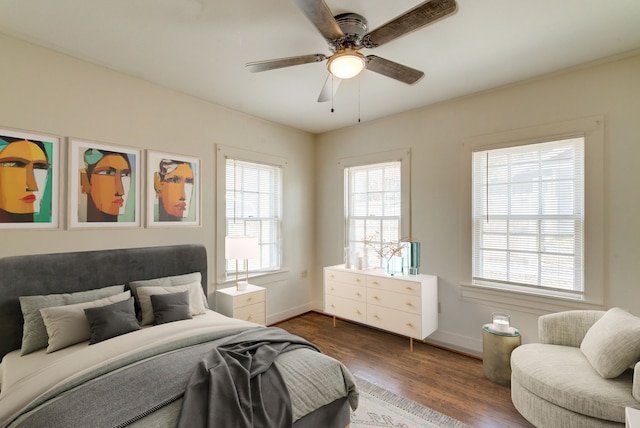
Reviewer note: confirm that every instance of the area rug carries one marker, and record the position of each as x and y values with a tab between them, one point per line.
381	408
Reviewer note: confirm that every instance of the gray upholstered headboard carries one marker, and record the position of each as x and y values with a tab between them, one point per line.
79	271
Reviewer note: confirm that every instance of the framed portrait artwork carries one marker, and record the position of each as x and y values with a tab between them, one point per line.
104	185
173	190
29	180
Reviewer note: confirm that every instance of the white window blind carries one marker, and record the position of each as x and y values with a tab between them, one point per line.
373	207
253	208
528	216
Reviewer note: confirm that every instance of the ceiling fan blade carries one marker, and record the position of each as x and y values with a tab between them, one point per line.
394	70
329	89
272	64
321	17
421	15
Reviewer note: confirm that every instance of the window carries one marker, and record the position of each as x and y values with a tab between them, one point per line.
528	215
251	206
532	217
376	204
253	198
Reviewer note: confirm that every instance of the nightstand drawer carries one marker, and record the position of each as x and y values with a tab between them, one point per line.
253	313
249	299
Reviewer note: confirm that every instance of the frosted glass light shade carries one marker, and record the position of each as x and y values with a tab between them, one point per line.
346	65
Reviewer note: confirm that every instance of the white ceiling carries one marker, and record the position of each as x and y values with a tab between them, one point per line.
199	47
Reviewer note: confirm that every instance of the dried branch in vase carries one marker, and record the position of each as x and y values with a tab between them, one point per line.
387	250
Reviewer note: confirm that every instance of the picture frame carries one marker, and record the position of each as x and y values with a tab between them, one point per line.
29	180
104	185
173	190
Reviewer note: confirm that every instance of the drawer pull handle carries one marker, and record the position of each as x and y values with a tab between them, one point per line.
376	316
250	318
331	275
249	299
410	305
332	305
357	279
408	288
333	289
375	283
409	324
357	293
376	297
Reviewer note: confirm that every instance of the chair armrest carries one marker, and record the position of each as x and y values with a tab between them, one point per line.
566	328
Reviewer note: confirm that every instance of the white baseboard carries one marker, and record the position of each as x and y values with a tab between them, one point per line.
289	313
456	342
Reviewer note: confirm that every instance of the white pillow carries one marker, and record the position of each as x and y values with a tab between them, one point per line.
612	343
67	325
34	333
196	303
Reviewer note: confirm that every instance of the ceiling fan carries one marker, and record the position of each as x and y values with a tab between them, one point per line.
347	33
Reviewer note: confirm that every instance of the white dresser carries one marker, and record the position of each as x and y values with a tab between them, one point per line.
407	305
248	304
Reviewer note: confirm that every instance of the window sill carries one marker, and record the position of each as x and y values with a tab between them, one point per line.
262	278
523	301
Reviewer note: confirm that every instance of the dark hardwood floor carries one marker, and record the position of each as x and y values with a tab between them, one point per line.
446	381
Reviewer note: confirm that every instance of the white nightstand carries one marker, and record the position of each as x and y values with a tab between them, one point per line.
248	304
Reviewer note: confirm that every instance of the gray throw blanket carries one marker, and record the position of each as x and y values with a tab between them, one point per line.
237	385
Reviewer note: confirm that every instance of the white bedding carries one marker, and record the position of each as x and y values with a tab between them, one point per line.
25	378
313	379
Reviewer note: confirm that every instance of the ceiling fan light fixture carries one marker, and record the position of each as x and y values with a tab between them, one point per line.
346	64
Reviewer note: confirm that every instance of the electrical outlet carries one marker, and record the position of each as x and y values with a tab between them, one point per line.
304	274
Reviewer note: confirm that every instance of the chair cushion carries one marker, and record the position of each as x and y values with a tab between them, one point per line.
612	344
563	376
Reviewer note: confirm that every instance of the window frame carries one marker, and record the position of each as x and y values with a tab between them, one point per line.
222	154
401	155
533	300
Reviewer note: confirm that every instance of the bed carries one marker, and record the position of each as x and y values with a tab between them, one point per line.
116	373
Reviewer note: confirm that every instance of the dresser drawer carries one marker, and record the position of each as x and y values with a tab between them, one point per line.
349	291
253	313
394	320
393	300
347	277
249	299
394	285
345	308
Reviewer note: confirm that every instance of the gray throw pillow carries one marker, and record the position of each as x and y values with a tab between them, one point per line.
111	320
171	307
170	281
34	332
612	343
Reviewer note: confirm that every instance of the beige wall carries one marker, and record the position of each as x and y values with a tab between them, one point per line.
53	93
48	92
435	135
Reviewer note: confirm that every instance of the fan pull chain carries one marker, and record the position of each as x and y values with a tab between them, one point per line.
359	99
332	92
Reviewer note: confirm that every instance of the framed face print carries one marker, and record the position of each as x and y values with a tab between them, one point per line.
173	190
29	180
104	185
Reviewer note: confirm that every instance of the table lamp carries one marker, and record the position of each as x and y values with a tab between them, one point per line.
241	248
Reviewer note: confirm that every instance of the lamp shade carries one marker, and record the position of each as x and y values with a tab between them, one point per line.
241	247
